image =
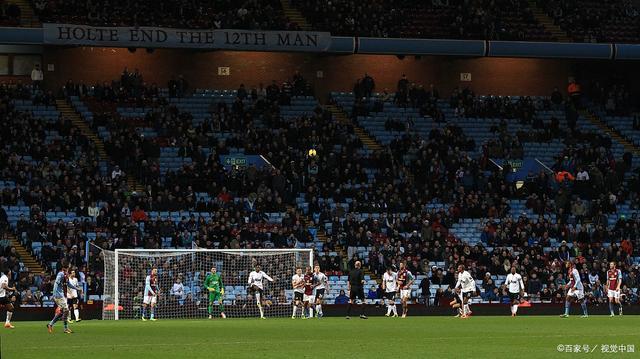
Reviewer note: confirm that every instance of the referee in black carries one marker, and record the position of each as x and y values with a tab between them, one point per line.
356	289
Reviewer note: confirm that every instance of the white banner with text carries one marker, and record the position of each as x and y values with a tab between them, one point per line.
157	37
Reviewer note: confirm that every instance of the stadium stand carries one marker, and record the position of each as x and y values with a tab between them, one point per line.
10	14
596	21
521	20
495	20
264	14
433	193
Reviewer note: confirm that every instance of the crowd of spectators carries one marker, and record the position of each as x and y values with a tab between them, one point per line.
239	199
219	14
9	13
407	94
53	168
476	19
584	21
496	20
566	211
614	99
396	183
595	21
374	18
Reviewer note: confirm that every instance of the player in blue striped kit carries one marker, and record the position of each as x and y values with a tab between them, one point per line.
60	298
575	291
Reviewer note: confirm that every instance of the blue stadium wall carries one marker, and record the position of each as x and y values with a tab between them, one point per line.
367	45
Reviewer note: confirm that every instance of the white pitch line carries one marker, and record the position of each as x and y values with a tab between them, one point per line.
177	344
333	340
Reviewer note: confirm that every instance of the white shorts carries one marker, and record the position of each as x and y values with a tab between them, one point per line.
405	293
576	293
150	299
614	294
308	298
61	303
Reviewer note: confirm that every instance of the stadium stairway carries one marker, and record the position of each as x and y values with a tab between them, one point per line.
322	236
612	132
294	15
27	259
548	23
69	112
367	140
133	184
28	17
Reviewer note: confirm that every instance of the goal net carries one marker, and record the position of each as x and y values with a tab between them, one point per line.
181	276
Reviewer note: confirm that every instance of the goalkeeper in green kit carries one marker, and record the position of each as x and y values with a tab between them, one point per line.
213	283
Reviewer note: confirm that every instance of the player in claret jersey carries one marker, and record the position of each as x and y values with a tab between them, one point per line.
405	280
150	295
308	294
614	280
575	291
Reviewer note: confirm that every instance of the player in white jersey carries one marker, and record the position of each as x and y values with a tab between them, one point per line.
256	285
575	291
6	300
72	296
321	283
390	287
297	283
465	287
515	287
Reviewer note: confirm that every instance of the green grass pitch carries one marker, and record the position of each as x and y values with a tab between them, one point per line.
379	337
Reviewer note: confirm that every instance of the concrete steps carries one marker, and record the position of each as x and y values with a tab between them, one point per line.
29	261
548	23
323	237
69	112
367	271
295	15
371	144
612	132
134	185
342	117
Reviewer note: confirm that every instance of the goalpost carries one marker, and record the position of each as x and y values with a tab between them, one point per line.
181	274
